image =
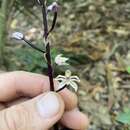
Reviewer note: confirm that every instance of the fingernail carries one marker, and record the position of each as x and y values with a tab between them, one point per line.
48	105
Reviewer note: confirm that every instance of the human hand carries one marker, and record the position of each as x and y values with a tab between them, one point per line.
27	104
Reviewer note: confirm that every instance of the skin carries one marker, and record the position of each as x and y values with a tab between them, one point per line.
20	87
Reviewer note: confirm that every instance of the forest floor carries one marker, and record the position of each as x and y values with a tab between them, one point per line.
95	35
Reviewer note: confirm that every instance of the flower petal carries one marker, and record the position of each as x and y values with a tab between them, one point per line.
75	78
74	86
17	35
60	77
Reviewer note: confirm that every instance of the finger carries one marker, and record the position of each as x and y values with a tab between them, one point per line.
70	99
39	113
2	106
21	100
66	96
16	84
75	120
17	101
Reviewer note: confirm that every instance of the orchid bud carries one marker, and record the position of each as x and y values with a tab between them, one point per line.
39	2
17	36
54	7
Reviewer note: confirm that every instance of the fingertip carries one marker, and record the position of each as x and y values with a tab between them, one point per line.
50	107
75	120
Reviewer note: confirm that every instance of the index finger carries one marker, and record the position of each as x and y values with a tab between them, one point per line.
19	83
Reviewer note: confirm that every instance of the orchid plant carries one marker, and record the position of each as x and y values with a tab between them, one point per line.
64	81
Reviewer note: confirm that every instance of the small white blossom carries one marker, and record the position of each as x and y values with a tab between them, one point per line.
17	35
54	7
59	60
68	80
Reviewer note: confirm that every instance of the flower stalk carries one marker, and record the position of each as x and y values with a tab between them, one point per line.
33	46
47	44
47	53
20	36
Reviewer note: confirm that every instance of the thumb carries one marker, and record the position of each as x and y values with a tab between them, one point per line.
40	113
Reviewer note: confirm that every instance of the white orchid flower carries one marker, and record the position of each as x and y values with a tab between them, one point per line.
17	35
68	80
59	60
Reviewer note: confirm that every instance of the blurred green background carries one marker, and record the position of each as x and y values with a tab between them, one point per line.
95	35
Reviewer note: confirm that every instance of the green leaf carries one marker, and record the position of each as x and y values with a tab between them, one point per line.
124	117
128	69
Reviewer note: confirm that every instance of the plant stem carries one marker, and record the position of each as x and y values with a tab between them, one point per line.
48	55
45	22
33	46
53	23
50	69
61	89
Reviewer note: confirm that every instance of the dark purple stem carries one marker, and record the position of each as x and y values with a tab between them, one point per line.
53	23
48	55
45	22
50	69
33	46
61	89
